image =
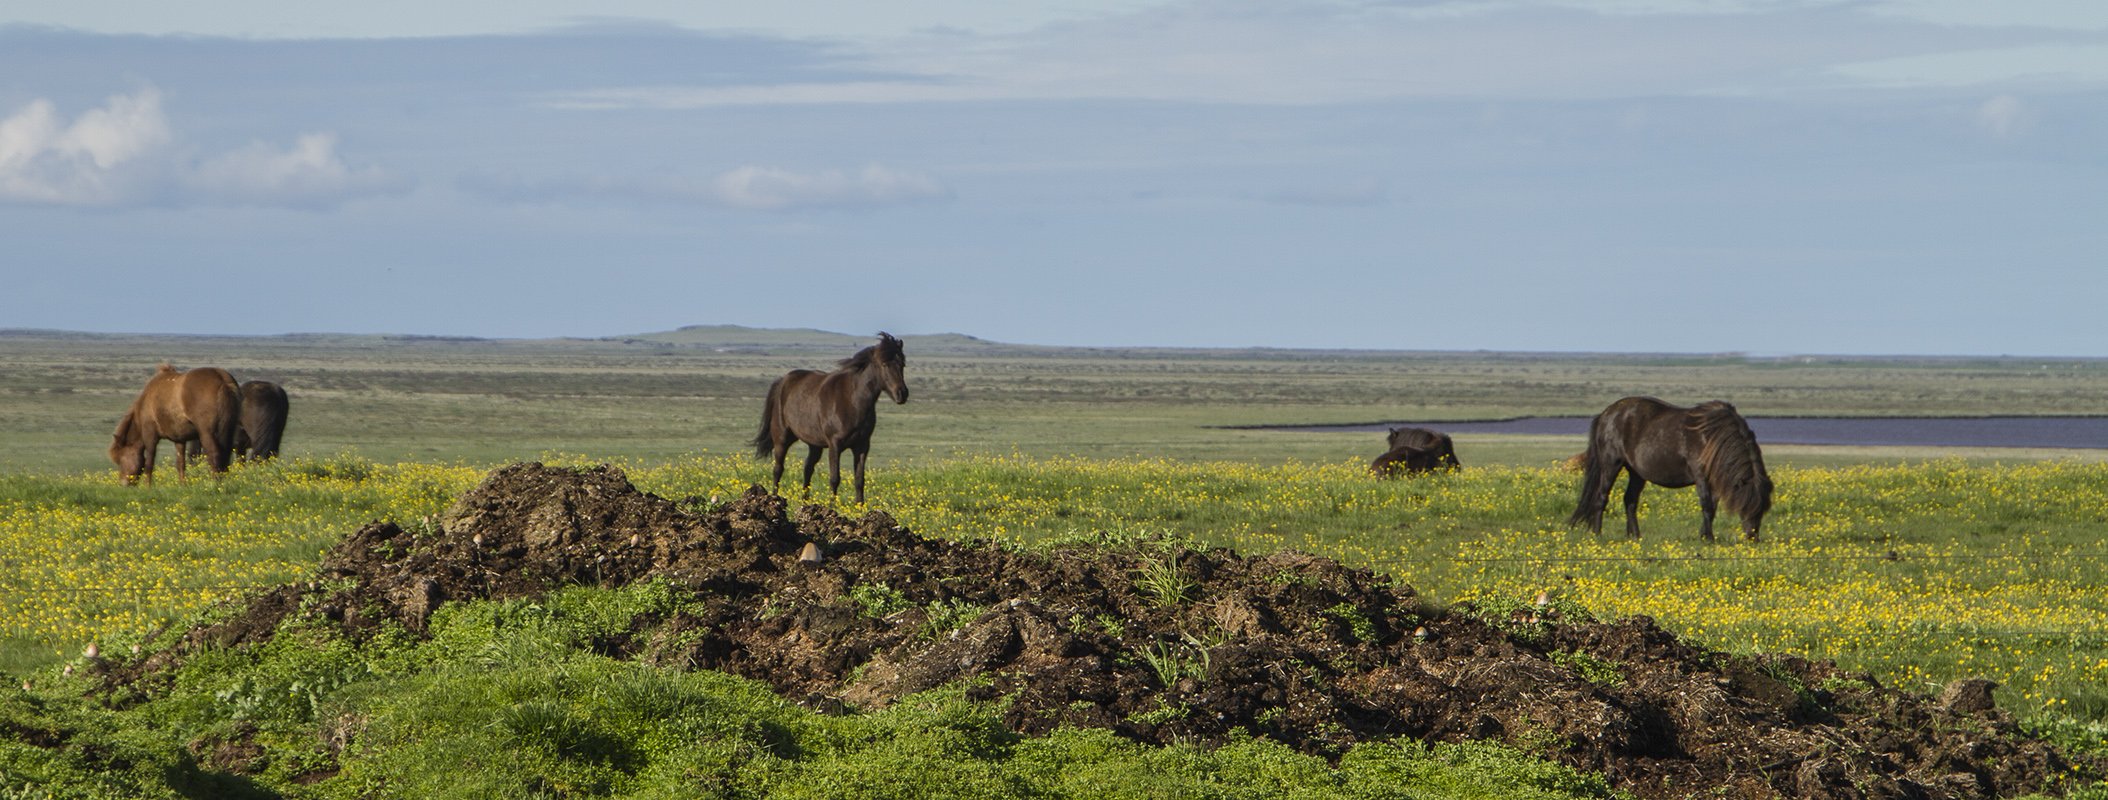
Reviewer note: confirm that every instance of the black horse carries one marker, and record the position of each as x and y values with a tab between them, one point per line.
1708	445
832	411
262	427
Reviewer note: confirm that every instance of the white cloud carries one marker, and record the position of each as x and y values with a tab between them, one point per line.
125	153
308	175
771	189
102	158
1304	52
755	188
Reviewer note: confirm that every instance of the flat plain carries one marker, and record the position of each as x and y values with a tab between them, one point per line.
697	391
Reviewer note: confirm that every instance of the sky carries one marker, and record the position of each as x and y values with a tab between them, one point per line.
1921	177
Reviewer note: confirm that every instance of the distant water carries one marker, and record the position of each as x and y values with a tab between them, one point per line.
2041	432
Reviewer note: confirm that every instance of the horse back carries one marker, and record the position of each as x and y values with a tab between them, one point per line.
1653	440
810	405
202	399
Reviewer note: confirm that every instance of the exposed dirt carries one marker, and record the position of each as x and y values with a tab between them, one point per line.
1157	644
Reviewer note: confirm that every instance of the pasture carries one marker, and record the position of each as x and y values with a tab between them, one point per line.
1918	566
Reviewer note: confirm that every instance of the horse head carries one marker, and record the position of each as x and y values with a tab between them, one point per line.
892	362
126	453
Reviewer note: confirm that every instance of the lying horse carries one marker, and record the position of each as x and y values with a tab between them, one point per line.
1653	442
1445	450
202	405
1415	450
832	411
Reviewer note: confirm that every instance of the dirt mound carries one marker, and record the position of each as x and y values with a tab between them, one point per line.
1163	645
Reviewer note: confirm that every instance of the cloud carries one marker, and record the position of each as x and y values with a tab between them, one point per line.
310	175
124	153
102	158
1311	52
772	189
2004	116
754	188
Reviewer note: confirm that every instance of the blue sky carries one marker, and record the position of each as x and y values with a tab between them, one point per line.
1766	176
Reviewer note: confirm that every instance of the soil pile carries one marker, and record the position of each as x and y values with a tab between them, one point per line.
1162	644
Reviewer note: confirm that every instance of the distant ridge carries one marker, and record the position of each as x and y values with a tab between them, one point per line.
734	338
802	342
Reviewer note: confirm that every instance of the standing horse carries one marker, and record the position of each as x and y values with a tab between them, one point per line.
202	405
264	407
1653	442
832	411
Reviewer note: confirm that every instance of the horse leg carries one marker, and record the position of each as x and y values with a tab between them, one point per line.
1707	505
859	462
812	459
776	481
834	472
1633	486
182	461
1601	492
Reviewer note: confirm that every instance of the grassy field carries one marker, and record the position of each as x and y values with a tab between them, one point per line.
692	392
1918	565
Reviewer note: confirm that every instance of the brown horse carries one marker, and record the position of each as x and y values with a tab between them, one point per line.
264	407
202	405
1444	450
1405	461
1653	442
832	411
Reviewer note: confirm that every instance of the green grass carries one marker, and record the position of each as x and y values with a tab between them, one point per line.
506	699
699	391
1920	573
1918	565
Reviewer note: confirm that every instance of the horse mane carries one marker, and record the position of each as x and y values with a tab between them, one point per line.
863	358
868	355
1734	464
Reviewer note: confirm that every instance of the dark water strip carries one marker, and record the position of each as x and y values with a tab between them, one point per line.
2038	432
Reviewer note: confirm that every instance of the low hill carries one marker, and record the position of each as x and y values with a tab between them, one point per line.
1158	644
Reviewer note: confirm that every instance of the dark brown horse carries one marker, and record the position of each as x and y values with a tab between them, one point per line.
264	408
1653	442
832	411
262	428
1440	451
202	405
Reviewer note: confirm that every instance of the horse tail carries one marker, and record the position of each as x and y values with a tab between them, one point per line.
1733	463
765	439
1599	463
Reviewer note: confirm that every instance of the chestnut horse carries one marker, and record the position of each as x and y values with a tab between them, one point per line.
263	422
1708	445
202	405
832	411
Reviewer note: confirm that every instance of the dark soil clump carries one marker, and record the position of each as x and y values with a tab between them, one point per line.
1156	643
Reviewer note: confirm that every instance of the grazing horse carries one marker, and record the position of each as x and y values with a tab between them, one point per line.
1708	445
264	407
832	411
263	422
202	405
